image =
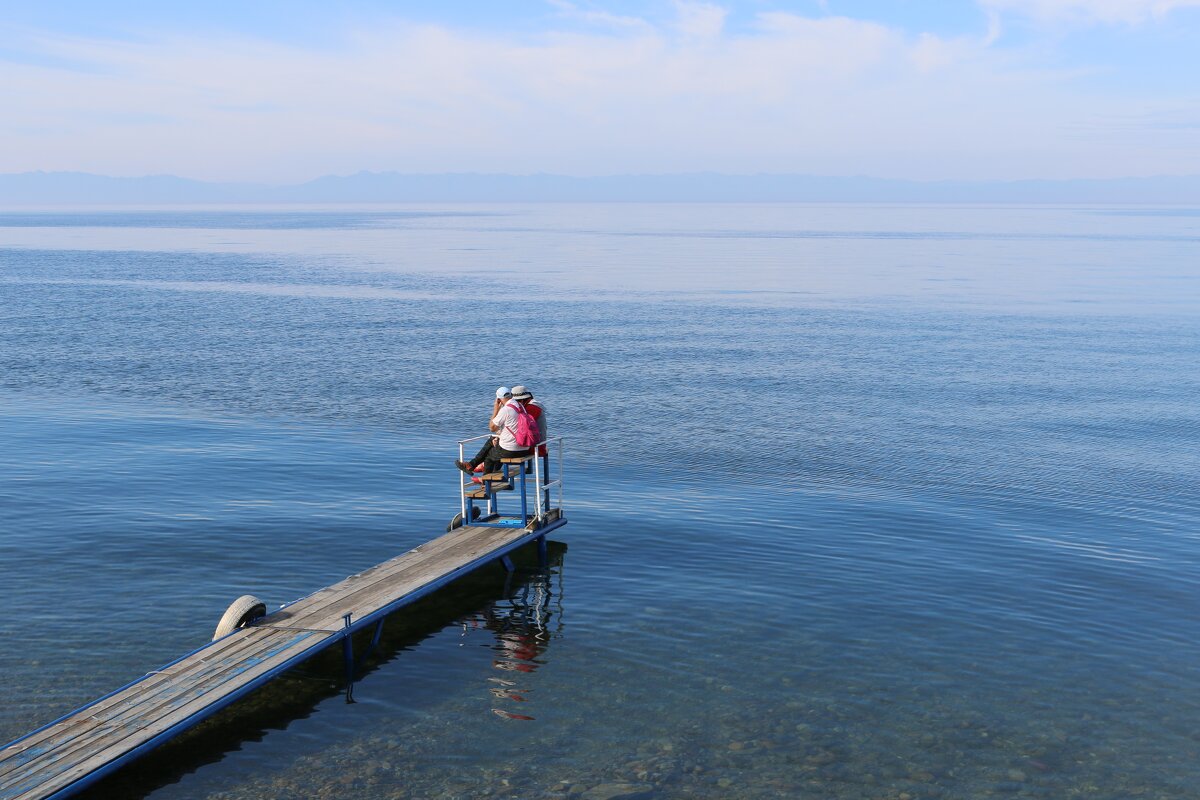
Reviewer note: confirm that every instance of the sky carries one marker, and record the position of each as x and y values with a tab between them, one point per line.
282	92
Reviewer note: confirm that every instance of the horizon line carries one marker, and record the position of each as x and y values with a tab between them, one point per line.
683	174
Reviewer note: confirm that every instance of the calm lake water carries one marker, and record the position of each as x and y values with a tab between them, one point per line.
865	502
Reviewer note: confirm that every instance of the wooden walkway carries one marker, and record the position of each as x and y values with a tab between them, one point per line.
71	753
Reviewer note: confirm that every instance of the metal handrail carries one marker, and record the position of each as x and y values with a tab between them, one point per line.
477	438
540	507
537	469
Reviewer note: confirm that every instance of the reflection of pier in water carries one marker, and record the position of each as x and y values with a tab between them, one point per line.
521	624
252	648
490	591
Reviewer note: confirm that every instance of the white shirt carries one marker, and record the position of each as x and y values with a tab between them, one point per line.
506	426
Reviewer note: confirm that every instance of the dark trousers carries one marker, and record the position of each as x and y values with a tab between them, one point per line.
490	454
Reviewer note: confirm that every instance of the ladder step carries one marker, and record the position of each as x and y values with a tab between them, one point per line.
479	493
499	476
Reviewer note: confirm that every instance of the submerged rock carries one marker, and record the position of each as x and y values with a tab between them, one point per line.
618	791
821	758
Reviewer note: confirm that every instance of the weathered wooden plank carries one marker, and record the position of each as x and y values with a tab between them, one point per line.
85	742
481	492
143	705
91	733
375	596
147	687
365	597
348	595
288	616
135	719
426	550
408	581
146	690
116	746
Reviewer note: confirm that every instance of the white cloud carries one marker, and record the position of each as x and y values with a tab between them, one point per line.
1092	11
826	95
601	19
702	20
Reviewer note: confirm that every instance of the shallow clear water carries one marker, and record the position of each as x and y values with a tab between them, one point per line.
865	501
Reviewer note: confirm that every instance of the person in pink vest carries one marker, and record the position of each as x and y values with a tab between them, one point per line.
504	445
538	412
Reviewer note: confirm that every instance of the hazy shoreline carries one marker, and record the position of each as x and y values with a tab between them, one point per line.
55	189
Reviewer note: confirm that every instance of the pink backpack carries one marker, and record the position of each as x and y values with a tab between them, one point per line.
527	428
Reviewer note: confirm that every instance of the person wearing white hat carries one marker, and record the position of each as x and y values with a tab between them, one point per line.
504	423
503	395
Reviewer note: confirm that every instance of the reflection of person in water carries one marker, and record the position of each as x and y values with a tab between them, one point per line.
521	629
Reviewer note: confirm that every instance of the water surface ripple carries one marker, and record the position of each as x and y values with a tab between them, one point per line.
866	502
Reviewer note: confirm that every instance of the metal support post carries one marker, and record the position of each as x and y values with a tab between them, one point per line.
348	656
462	492
524	499
374	643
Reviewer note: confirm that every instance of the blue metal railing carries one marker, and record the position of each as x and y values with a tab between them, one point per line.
543	486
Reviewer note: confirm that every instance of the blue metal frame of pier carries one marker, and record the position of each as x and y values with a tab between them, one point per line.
546	520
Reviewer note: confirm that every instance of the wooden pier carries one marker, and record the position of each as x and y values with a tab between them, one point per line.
73	752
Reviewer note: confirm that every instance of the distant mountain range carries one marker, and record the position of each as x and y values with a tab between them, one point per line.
78	188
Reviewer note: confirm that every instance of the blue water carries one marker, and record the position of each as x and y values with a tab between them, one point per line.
865	502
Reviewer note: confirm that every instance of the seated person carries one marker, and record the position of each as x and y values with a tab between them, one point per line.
503	395
505	445
538	411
